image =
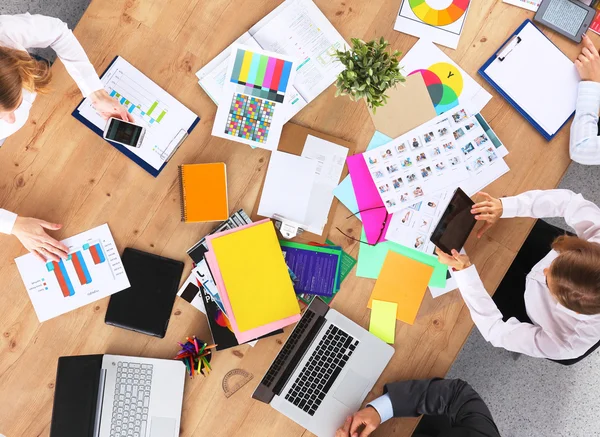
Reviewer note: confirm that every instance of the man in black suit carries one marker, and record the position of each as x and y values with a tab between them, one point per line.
451	408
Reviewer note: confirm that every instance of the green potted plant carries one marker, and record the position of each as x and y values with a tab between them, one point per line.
371	69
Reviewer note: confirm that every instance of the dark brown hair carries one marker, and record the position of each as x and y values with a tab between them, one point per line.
19	70
575	274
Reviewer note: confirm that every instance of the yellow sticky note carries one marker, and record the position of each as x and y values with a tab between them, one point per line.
404	281
383	320
256	276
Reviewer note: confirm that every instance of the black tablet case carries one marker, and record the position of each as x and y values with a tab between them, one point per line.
146	306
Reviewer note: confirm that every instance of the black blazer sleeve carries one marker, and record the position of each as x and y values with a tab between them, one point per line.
453	398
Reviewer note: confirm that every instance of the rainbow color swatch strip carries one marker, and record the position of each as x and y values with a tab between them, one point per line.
261	76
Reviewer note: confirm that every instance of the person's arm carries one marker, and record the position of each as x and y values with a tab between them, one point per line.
31	31
584	146
582	215
585	142
7	221
453	398
511	335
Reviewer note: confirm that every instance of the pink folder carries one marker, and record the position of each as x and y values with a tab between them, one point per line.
367	197
245	336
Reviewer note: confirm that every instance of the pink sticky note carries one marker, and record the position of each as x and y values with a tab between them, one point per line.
245	336
367	197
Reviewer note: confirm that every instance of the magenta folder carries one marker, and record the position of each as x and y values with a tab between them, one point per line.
367	197
245	336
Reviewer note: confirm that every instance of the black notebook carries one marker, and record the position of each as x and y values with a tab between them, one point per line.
146	306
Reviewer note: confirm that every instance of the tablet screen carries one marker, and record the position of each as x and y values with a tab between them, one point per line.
456	223
565	15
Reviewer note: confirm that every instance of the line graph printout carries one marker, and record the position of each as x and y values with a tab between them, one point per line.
93	270
165	119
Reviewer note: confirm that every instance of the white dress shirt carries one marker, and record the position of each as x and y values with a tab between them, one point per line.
25	31
383	406
585	142
556	332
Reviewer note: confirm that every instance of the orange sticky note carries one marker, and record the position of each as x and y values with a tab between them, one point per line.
404	281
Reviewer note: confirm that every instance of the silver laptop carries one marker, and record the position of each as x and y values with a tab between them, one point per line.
117	396
324	371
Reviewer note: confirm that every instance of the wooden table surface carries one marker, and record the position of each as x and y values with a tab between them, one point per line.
56	169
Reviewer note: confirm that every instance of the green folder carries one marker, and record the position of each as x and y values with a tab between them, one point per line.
371	258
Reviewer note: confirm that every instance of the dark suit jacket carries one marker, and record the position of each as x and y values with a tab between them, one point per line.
466	413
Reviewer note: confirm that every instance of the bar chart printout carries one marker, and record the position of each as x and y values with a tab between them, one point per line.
92	271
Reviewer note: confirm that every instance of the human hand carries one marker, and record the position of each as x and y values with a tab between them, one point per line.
344	430
367	419
455	260
109	107
588	61
489	210
32	235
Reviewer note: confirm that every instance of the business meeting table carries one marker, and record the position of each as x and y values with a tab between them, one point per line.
56	169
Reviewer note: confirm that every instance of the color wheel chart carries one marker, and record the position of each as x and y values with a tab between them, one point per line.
138	101
433	11
76	262
444	83
261	82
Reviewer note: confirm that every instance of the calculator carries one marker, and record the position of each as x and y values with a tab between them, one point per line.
570	18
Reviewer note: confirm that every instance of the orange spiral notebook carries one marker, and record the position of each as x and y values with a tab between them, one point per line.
203	192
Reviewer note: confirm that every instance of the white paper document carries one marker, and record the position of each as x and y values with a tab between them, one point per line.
450	285
288	187
92	271
454	149
296	28
449	85
529	70
530	5
330	158
439	21
194	298
165	119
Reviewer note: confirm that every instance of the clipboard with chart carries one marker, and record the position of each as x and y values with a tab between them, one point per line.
536	78
167	121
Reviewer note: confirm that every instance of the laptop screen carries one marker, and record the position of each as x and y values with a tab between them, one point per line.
292	351
76	396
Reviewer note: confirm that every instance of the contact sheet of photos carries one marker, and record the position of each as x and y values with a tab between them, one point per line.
439	156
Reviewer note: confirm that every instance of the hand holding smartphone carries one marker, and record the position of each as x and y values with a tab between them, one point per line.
124	132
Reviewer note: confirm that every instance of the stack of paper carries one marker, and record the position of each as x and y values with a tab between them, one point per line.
252	279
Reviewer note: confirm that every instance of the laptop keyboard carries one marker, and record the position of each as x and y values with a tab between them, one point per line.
321	370
132	400
288	348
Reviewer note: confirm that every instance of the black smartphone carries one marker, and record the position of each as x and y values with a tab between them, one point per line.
456	223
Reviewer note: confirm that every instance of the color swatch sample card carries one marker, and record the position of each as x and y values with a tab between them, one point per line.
203	192
448	84
439	21
92	271
252	108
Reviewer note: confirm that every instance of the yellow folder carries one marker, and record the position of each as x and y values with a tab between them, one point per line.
404	281
256	276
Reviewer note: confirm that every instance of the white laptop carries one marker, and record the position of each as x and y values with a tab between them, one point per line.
324	371
117	396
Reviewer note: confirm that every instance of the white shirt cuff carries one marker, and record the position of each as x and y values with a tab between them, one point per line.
7	221
468	276
510	206
383	406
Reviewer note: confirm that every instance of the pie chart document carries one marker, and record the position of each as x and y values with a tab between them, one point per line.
439	21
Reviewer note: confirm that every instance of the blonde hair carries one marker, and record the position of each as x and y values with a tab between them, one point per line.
19	70
576	274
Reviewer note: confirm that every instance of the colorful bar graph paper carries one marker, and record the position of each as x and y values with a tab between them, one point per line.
62	277
97	253
81	268
261	76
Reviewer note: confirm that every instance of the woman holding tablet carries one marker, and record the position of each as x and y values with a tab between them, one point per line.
562	291
21	78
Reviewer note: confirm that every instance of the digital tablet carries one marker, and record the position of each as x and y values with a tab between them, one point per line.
456	223
570	18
